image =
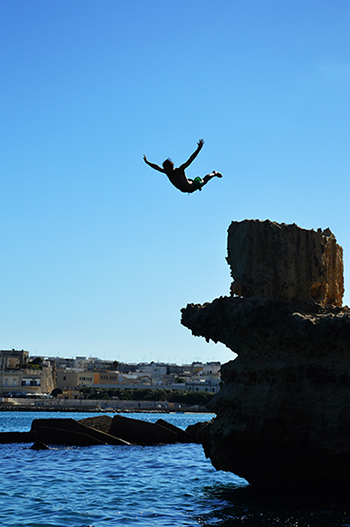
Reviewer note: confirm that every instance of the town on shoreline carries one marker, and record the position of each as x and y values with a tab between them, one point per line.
87	384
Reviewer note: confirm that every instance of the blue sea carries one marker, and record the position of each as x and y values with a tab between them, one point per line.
161	486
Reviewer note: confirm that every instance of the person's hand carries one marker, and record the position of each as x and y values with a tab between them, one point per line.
200	143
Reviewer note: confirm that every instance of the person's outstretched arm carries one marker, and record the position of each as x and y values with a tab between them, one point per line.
153	165
194	155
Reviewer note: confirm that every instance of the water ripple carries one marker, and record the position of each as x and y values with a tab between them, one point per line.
111	486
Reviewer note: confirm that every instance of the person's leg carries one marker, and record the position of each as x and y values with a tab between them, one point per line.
198	183
208	177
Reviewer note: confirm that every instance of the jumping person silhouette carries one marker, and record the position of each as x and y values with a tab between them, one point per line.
178	177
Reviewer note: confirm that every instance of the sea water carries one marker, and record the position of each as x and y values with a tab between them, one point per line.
110	486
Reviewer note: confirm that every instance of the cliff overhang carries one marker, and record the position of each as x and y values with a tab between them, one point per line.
283	410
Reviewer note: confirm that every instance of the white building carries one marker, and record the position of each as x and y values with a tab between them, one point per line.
211	368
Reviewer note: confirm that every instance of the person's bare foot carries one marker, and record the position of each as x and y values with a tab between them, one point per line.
217	174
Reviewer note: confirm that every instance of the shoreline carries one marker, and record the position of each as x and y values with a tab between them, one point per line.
109	410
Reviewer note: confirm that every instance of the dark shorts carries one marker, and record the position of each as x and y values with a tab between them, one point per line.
197	183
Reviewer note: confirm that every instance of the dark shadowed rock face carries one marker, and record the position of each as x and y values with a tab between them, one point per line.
283	411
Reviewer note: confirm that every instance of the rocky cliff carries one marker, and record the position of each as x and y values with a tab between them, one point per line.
283	411
271	260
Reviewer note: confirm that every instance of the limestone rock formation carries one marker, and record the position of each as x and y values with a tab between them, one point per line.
271	260
283	410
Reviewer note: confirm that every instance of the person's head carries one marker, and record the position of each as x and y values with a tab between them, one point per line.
168	165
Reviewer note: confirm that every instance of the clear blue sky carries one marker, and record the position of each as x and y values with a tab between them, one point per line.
99	252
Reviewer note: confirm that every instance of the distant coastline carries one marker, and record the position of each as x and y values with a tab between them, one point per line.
98	408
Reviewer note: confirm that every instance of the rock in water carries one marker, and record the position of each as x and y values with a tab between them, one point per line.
70	432
39	445
283	410
142	432
98	422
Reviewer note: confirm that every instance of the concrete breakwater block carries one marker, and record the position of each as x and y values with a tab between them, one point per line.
142	432
139	431
17	437
99	430
183	436
98	422
200	431
38	445
70	432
